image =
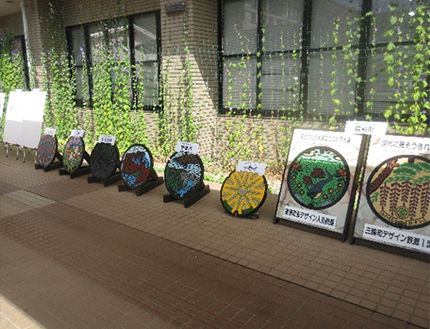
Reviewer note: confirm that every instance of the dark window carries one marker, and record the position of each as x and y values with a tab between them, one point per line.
77	48
134	40
295	57
146	60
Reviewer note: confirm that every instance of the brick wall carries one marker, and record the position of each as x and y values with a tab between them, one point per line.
201	20
204	38
13	22
78	12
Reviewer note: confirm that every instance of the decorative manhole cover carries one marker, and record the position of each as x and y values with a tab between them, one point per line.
183	175
73	154
243	192
46	150
104	161
136	165
318	177
398	191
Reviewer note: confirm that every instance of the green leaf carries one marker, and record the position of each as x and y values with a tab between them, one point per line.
391	46
389	58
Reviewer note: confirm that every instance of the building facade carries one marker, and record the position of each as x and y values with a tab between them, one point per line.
237	75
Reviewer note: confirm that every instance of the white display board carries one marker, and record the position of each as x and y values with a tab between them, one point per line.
394	206
24	117
318	180
2	97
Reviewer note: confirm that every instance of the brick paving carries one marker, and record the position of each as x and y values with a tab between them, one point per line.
79	255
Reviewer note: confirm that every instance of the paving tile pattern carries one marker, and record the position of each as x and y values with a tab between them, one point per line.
79	255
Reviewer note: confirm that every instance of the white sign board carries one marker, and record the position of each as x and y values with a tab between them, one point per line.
187	147
2	97
24	117
50	131
258	168
77	133
317	186
394	202
366	127
396	237
13	121
400	145
107	139
310	217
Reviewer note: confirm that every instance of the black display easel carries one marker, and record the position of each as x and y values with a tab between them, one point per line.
53	165
253	215
152	182
188	202
82	170
115	177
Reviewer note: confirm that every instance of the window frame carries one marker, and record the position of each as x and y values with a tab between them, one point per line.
365	47
85	28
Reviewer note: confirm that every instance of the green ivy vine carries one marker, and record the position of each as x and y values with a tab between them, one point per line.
409	76
11	69
59	81
111	73
406	72
177	120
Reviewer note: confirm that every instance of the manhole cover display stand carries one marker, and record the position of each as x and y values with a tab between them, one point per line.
183	178
244	191
105	163
318	188
47	153
394	206
73	156
137	170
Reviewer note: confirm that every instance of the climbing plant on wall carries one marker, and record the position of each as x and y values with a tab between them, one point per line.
112	87
254	96
11	68
242	134
177	120
11	63
59	80
408	68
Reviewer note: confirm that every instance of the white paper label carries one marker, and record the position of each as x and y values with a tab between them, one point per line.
310	217
107	139
50	131
77	133
255	167
317	137
187	147
401	145
397	237
366	127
